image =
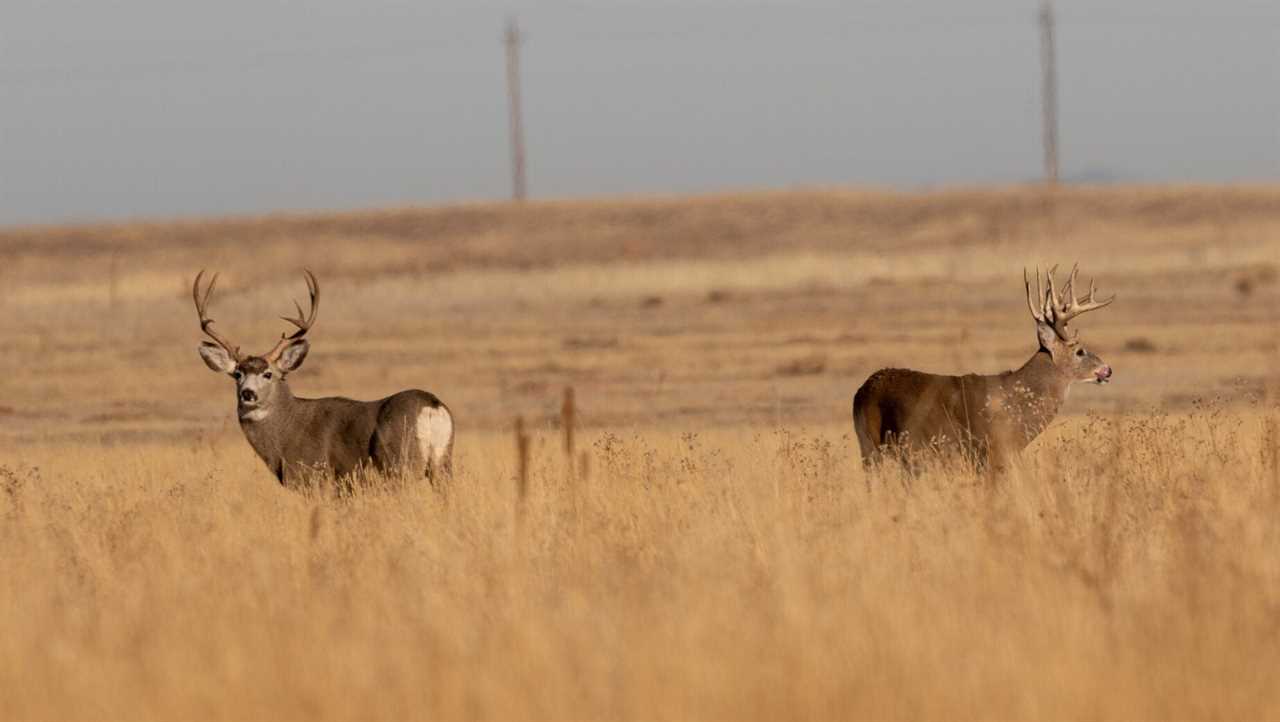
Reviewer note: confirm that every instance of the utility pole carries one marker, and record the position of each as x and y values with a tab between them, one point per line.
1049	88
518	188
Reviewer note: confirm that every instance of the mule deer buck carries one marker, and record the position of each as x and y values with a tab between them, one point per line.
296	437
988	419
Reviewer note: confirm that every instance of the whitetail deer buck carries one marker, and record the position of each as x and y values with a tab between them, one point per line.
410	430
988	419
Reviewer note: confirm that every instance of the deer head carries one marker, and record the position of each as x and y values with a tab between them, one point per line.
1052	311
258	378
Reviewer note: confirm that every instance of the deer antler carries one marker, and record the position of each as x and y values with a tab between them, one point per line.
1057	309
304	325
1068	306
206	323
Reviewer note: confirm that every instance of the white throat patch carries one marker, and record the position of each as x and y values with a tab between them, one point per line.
254	415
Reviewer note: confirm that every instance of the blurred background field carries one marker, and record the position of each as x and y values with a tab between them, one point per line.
719	552
767	308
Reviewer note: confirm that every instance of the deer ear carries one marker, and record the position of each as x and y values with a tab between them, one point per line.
217	358
1049	340
292	355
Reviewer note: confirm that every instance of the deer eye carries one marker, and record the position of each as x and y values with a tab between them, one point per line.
237	375
266	375
1080	352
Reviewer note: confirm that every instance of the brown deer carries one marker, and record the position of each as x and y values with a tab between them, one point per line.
987	419
298	438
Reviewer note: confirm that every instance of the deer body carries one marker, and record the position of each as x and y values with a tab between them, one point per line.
299	438
986	418
411	429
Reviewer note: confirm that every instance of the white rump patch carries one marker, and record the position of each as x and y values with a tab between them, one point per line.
435	432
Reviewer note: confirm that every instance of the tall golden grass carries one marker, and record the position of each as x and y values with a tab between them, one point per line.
1128	571
705	545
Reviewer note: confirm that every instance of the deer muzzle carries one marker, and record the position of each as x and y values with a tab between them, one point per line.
1103	374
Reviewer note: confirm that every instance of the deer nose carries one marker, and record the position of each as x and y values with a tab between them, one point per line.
1104	372
248	396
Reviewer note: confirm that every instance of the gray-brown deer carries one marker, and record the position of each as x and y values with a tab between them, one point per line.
298	438
988	419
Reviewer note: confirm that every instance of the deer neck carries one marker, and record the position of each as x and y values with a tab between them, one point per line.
268	429
1036	391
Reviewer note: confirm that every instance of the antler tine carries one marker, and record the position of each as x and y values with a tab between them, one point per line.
1093	292
1051	293
313	289
1040	294
1036	313
299	321
303	324
195	292
1069	290
202	304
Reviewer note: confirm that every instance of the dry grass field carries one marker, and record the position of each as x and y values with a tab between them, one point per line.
718	552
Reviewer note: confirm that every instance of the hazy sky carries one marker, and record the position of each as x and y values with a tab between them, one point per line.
127	108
